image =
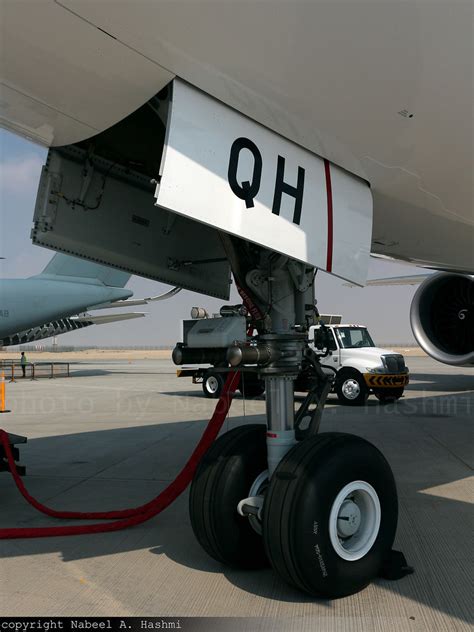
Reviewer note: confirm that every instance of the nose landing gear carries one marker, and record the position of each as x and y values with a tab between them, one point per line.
320	508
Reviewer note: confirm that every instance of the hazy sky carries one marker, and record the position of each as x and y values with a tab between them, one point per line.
384	310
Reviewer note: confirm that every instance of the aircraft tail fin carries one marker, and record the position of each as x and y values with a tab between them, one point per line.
67	266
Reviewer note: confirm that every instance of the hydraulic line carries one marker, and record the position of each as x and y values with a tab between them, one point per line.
123	518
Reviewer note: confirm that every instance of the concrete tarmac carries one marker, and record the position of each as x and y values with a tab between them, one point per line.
115	433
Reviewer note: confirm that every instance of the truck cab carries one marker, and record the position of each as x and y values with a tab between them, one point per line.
361	367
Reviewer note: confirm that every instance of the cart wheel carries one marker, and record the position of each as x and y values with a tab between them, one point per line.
330	515
225	476
212	384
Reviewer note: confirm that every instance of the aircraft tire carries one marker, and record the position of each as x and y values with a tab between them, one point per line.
224	478
309	515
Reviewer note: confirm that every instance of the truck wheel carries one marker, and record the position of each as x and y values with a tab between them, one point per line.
388	395
330	515
251	386
224	477
351	389
212	384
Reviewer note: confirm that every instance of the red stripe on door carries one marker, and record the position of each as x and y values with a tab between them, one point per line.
327	171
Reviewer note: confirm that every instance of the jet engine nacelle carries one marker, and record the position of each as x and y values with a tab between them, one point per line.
441	318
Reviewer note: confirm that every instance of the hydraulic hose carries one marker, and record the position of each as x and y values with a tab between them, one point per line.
123	518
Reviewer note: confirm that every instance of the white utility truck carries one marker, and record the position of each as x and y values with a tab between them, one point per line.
348	350
362	368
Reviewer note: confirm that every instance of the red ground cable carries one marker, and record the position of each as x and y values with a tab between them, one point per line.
126	517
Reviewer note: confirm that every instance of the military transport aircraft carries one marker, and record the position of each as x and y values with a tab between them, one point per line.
191	140
56	300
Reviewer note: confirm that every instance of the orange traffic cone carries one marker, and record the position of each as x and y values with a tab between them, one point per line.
2	394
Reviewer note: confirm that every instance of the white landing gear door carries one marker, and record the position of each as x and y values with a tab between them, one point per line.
224	170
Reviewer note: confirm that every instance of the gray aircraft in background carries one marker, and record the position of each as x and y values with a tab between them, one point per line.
58	300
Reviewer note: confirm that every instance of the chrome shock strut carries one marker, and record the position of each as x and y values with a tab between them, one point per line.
279	361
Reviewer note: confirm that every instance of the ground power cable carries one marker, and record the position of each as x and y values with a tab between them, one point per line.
123	518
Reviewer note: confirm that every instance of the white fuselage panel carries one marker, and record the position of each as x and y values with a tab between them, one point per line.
383	89
224	170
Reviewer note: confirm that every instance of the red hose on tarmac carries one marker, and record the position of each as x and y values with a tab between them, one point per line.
126	517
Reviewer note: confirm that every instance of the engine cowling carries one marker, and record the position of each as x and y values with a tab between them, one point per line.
442	315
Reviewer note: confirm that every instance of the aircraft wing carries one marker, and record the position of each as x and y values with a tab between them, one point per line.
107	318
139	301
413	279
63	326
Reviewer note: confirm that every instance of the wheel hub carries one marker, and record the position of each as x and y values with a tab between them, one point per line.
348	519
354	521
255	502
212	384
351	389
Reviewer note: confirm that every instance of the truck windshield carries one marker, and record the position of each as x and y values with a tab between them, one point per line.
354	337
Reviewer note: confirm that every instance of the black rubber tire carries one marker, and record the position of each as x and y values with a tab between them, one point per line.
344	375
389	395
297	508
251	386
214	375
224	477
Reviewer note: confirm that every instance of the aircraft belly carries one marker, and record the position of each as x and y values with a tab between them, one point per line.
338	81
63	79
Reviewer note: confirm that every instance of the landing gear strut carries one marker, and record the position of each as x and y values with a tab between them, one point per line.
320	508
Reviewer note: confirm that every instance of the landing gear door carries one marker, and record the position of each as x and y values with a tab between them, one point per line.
226	171
93	208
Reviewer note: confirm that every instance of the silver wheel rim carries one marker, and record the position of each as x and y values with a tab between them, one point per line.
354	521
351	388
212	384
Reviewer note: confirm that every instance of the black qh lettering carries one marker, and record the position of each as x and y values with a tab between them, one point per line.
282	187
247	190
